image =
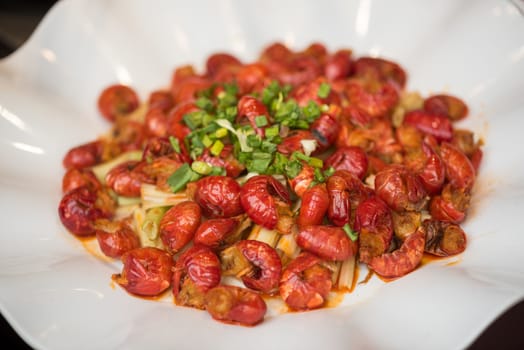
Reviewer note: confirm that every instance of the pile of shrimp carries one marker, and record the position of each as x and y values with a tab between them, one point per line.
389	179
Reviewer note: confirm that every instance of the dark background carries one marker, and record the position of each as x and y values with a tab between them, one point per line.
18	19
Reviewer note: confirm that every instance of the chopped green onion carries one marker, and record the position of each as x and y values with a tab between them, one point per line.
204	103
329	171
201	167
261	121
316	162
206	140
269	147
272	131
181	177
259	165
254	141
353	235
217	147
319	177
293	168
222	132
261	155
175	144
216	170
311	111
194	119
323	90
300	156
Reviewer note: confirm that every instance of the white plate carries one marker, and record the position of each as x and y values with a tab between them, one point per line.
59	297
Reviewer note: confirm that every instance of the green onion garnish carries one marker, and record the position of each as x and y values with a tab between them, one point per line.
353	235
217	147
323	90
261	121
175	144
181	177
201	167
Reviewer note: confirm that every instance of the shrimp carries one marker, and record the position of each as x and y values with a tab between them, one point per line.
305	283
403	260
258	264
328	242
196	271
235	305
266	202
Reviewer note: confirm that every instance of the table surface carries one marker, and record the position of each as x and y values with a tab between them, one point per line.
17	22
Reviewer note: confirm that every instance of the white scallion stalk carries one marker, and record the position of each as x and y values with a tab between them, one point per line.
147	228
309	146
126	201
240	134
125	211
101	170
153	197
243	179
262	234
346	274
288	246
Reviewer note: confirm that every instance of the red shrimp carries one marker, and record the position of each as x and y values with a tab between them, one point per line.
126	178
226	159
261	198
81	207
436	125
305	283
374	223
451	205
459	170
400	188
196	271
324	129
251	108
433	174
178	225
115	238
128	135
328	242
338	65
276	52
292	142
375	102
444	239
218	196
157	147
300	183
450	106
74	178
117	100
160	169
188	88
180	74
84	156
263	268
216	62
339	210
251	77
215	233
315	204
235	305
299	71
352	159
403	260
155	122
305	93
146	272
160	99
380	69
